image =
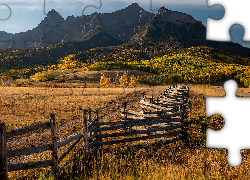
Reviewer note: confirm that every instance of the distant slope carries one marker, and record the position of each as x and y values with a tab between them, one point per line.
177	29
4	36
25	58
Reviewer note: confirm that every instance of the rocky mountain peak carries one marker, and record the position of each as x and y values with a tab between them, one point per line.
174	16
134	6
53	18
162	10
53	15
53	12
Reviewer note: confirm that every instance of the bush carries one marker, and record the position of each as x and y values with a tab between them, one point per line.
133	81
42	76
105	81
123	80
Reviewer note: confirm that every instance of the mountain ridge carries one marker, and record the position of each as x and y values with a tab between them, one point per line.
121	24
158	36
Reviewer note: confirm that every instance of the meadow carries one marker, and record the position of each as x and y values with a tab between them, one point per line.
34	83
23	106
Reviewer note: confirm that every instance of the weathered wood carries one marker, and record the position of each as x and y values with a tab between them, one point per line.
141	138
153	106
69	149
3	153
93	137
68	161
158	111
98	134
93	128
184	127
27	129
92	123
165	118
140	122
28	151
85	131
65	142
91	133
54	157
149	123
159	116
93	144
89	111
141	131
29	165
129	112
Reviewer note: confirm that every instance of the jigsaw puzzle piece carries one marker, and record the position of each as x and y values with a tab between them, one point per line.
5	12
237	33
235	111
98	6
236	12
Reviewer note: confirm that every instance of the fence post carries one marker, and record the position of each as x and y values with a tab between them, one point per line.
54	147
184	126
99	132
89	111
89	115
124	109
85	131
3	153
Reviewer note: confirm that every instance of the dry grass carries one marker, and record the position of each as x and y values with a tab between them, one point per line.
22	106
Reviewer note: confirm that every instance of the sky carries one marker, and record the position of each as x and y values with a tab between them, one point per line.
22	15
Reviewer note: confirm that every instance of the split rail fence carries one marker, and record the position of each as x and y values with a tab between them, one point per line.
164	117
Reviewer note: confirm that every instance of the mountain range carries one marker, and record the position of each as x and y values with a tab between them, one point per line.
132	27
120	25
116	28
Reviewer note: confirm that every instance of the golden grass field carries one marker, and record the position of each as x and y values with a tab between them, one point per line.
23	106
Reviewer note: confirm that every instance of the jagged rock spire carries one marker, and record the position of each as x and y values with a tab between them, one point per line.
162	10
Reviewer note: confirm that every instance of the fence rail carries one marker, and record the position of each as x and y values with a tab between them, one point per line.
53	146
163	117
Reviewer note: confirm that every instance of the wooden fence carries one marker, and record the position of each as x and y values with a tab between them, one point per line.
53	146
163	117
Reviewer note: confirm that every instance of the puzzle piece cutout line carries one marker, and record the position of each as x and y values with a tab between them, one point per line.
236	113
236	12
4	19
237	33
10	12
44	29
